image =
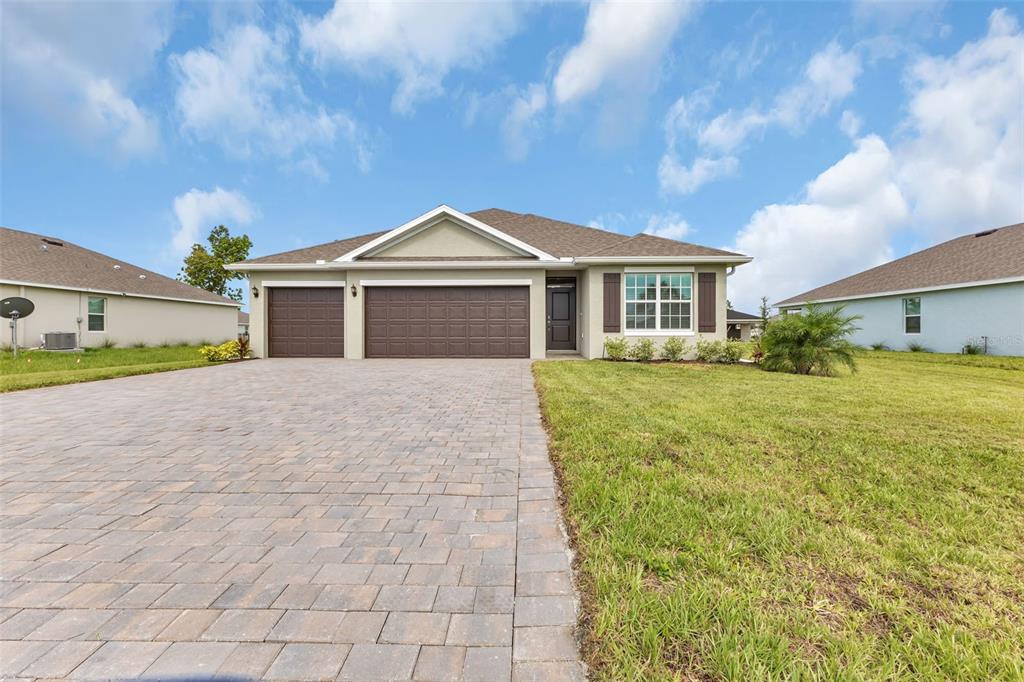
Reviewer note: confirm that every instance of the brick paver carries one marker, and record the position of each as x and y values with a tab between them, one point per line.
301	519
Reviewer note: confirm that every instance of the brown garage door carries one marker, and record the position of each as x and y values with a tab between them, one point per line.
307	322
447	322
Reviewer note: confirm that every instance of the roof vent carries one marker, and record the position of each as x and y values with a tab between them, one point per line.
117	267
55	242
142	277
986	233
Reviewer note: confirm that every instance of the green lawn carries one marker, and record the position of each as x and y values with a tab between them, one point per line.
737	524
32	369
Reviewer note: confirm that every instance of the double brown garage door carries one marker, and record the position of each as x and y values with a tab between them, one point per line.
404	322
447	322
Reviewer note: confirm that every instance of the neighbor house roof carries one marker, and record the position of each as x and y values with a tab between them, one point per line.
987	256
555	237
34	259
243	317
736	316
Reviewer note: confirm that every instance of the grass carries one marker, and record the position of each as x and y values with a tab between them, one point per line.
32	369
736	524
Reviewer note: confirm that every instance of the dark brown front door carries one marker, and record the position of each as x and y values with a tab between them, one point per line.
306	322
447	322
561	307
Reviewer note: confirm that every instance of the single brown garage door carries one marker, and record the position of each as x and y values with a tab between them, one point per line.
307	322
447	322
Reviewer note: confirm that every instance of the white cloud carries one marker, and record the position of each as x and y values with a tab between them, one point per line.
521	126
961	147
243	95
829	77
850	123
55	66
957	165
843	225
622	46
197	212
668	225
676	178
418	41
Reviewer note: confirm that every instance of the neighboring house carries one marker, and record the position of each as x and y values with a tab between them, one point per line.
486	284
742	326
969	290
243	323
104	300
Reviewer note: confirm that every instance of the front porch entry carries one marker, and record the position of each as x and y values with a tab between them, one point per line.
561	313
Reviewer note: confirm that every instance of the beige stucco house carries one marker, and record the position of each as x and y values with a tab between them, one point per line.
487	284
103	300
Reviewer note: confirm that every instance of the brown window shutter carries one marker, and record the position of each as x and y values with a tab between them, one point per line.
612	302
707	302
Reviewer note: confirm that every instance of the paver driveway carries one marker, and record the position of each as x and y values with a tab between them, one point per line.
292	519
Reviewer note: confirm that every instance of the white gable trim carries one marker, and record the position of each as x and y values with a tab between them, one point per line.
429	218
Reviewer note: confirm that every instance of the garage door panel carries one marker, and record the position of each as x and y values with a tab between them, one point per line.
447	322
306	321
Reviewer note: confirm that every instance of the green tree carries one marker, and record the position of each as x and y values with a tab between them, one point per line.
205	268
813	342
765	311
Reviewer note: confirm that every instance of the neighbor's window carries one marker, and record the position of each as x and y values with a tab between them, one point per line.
912	315
97	314
658	301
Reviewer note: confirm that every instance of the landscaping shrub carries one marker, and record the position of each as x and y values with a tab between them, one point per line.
879	345
915	347
138	344
615	348
107	343
719	351
642	350
756	351
673	349
229	350
243	345
814	342
972	349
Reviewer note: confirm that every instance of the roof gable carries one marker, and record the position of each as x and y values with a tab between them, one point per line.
987	256
449	217
444	238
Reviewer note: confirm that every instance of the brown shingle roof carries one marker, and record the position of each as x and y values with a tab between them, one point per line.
556	237
650	245
243	318
980	257
28	257
731	315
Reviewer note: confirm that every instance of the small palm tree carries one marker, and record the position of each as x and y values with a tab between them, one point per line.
812	342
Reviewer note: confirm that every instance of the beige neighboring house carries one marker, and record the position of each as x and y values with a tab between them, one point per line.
104	300
487	284
243	323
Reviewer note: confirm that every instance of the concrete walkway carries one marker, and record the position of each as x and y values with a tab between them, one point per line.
285	519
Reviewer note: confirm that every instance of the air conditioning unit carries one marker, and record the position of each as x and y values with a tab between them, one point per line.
60	340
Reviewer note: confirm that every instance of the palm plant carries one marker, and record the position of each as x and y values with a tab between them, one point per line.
815	341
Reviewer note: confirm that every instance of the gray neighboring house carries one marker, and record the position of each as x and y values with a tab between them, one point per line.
742	326
104	300
492	283
969	290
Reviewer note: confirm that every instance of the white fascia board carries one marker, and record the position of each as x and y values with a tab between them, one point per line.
445	282
901	292
306	283
638	260
458	216
107	292
410	265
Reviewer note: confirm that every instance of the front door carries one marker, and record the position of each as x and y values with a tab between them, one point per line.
561	306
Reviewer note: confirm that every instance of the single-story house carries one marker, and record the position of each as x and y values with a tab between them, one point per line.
487	284
243	323
742	326
966	291
103	300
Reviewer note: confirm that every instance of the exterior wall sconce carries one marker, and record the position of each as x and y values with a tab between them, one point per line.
353	290
255	292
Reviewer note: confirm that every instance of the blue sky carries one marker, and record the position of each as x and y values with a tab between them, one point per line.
820	138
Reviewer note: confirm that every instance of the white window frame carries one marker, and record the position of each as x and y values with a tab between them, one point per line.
657	301
903	303
89	313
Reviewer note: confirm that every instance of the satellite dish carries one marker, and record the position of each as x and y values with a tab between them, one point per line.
16	306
